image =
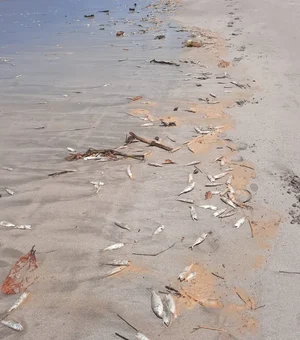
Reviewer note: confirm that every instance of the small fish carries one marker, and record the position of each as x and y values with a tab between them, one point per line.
189	188
159	230
7	168
213	95
240	222
175	149
228	201
207	206
190	276
191	178
229	180
157	305
215	192
155	164
185	271
119	263
129	172
98	186
122	226
211	178
22	298
166	318
147	124
213	184
221	175
230	213
6	224
141	336
186	200
71	149
114	246
228	169
193	213
171	305
222	161
230	188
224	192
193	163
24	226
13	325
219	212
199	240
9	191
115	271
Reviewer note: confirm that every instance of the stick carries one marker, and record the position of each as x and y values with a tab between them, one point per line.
243	165
127	322
251	228
61	173
150	143
173	290
79	129
220	277
210	328
285	272
241	298
121	336
259	307
160	252
172	140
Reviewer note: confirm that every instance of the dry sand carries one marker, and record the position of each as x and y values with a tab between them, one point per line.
74	82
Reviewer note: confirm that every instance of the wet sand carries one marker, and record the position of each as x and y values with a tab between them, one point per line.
68	84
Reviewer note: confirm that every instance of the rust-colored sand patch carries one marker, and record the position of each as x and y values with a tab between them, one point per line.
224	64
265	230
242	175
204	143
258	262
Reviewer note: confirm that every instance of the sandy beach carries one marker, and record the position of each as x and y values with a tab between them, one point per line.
218	120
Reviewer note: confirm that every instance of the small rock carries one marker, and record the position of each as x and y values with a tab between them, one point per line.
242	146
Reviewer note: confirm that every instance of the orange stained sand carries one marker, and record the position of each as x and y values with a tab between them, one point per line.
259	262
242	175
224	64
202	144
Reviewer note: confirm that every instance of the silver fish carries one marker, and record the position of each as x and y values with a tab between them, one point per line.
193	163
213	184
211	178
221	175
6	224
193	213
9	191
187	200
141	336
114	246
190	276
129	173
156	304
122	226
230	188
189	188
230	213
71	149
240	222
166	318
147	124
13	325
191	178
22	298
224	192
98	186
228	169
207	206
159	229
228	201
219	212
199	240
115	271
229	180
185	271
7	168
119	263
155	164
171	305
24	226
215	192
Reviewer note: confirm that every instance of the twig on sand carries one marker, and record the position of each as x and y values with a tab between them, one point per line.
121	336
251	228
243	166
78	129
211	329
216	275
285	272
176	292
160	252
61	173
259	307
127	323
133	136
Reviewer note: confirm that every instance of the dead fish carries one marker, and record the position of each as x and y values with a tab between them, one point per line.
115	271
207	206
155	164
166	318
240	222
219	212
13	325
171	305
222	161
211	178
191	178
159	230
185	271
147	124
98	186
114	246
24	226
230	213
9	191
221	175
228	169
230	188
156	304
129	172
6	224
190	276
71	149
199	240
215	192
141	336
193	163
228	201
188	188
175	149
119	263
187	200
229	180
224	192
122	226
22	298
7	168
193	213
213	184
213	95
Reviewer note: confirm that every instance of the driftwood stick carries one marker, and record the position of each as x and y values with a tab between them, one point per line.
160	252
150	143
